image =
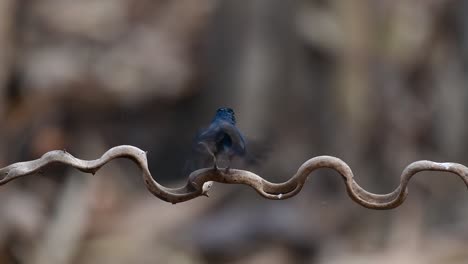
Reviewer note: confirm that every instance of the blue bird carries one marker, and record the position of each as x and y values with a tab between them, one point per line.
222	139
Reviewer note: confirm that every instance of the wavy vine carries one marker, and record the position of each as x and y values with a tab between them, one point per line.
200	181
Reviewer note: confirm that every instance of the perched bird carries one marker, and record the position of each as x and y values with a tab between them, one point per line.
222	139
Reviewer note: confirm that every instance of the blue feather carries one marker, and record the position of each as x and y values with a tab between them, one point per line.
222	139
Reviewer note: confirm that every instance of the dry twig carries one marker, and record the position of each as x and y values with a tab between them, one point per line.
200	181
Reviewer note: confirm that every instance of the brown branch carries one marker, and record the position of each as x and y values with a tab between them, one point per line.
200	181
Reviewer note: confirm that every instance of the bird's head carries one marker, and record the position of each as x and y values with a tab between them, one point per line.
226	114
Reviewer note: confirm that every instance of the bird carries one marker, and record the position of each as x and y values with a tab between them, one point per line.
222	140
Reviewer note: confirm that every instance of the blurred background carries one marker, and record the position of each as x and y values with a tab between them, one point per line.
378	84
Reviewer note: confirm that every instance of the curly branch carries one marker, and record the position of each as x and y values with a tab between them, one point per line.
200	181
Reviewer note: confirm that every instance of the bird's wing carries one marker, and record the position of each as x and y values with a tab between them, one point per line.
216	131
238	141
212	133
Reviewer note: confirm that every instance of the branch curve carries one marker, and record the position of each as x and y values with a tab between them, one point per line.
200	181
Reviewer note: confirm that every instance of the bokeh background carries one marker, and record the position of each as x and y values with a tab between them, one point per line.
378	84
